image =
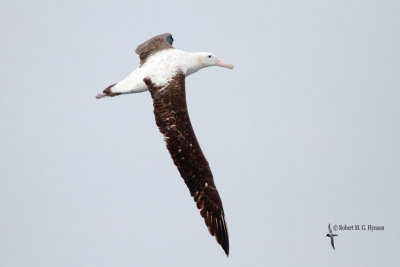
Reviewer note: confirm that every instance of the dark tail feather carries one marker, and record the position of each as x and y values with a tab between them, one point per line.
107	92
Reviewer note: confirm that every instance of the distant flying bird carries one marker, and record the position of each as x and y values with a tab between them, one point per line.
331	235
162	71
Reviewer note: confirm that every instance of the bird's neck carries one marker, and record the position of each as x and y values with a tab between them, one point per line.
193	63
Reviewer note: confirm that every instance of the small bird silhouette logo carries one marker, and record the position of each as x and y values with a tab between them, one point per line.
331	235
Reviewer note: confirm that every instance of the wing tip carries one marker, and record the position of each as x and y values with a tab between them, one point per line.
225	247
217	227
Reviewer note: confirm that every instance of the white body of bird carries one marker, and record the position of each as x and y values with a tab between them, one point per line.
162	66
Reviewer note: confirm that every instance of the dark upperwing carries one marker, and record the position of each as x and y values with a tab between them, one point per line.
172	118
153	45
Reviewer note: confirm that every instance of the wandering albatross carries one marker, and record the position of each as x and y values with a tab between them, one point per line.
331	235
162	71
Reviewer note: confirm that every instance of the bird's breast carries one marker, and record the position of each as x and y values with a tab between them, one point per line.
164	65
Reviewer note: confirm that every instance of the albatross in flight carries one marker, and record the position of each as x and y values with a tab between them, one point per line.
331	235
162	71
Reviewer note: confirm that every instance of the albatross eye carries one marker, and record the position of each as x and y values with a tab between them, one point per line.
209	56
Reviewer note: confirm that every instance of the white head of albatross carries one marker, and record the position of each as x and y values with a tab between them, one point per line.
207	59
199	60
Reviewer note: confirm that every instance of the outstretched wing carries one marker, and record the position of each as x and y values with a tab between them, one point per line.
332	243
172	118
153	45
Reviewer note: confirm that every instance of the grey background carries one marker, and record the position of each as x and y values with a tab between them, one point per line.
303	132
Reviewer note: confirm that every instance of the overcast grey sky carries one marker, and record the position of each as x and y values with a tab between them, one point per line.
304	131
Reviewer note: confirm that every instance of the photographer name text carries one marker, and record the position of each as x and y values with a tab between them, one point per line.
358	227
